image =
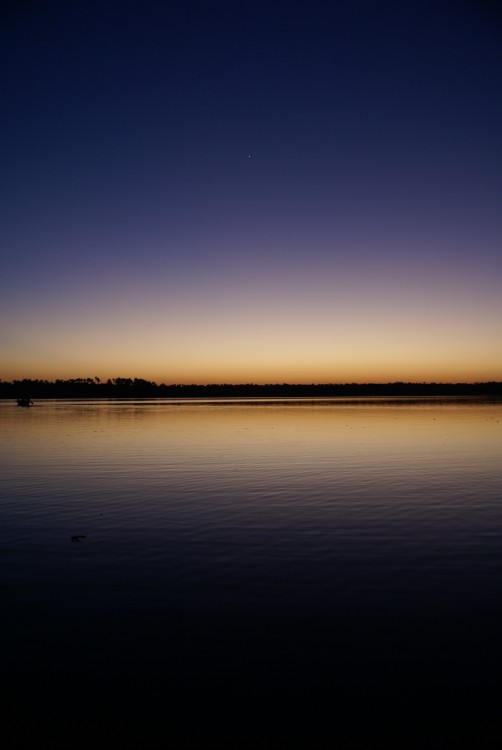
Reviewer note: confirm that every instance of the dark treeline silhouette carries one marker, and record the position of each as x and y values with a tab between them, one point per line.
139	388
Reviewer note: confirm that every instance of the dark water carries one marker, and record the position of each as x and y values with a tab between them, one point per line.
253	573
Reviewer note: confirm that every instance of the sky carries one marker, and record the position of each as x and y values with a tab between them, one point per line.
203	192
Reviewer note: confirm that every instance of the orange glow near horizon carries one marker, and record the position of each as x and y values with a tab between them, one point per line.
231	334
267	373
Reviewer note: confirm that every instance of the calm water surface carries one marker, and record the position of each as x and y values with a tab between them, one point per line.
263	567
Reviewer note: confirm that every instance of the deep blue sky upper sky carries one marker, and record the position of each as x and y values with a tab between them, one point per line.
276	191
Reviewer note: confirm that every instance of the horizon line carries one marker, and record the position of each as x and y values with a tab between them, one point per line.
121	381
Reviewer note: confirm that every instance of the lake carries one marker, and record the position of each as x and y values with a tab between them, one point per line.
251	572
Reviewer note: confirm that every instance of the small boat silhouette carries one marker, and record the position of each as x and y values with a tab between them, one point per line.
24	402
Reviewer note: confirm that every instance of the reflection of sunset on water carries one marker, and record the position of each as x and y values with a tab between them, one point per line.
251	554
265	445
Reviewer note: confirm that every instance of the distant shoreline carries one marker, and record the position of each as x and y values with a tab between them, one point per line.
139	388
